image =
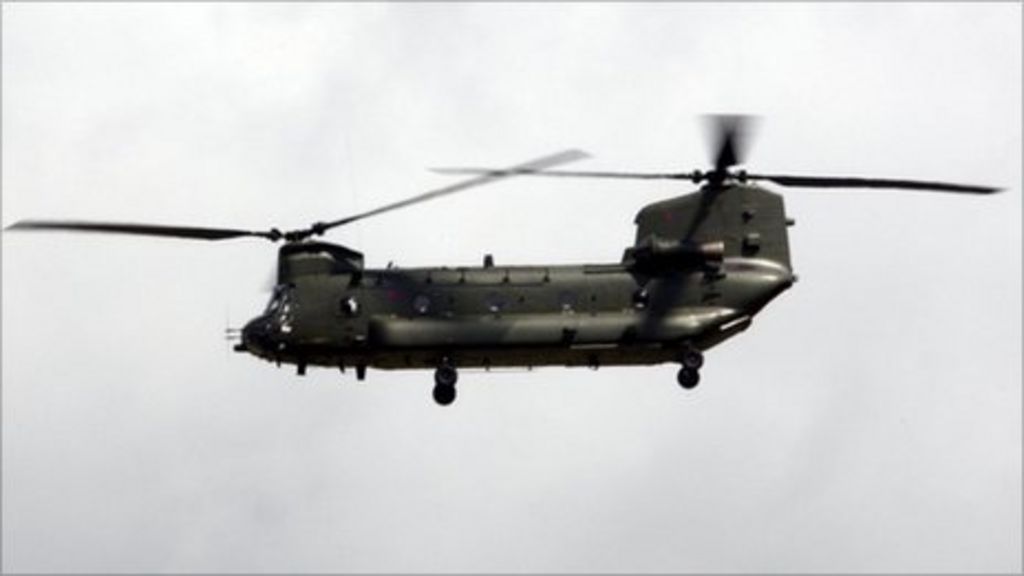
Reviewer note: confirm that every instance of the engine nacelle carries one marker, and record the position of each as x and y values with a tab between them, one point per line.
655	253
315	258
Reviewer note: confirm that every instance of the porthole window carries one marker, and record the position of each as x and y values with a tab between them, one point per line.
641	298
421	304
567	301
350	306
495	303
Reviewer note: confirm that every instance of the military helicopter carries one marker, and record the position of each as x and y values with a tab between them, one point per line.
702	266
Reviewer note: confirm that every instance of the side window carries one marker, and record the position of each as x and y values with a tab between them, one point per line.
496	302
641	299
350	306
567	301
421	304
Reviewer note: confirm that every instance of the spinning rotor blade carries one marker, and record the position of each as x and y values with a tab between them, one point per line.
568	173
201	233
851	182
190	232
780	179
730	133
484	177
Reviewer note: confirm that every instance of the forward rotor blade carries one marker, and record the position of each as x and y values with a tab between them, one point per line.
486	177
851	182
568	173
190	232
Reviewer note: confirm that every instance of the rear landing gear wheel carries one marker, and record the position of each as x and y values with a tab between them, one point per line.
688	378
444	394
445	378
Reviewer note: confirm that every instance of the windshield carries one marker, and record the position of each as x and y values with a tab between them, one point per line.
280	308
280	300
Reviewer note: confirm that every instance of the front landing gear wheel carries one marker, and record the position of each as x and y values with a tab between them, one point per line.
688	378
444	394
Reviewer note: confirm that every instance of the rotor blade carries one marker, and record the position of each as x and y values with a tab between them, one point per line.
730	139
191	232
851	182
490	176
568	173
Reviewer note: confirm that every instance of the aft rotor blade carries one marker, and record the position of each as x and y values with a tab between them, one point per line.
190	232
852	182
485	177
730	133
568	173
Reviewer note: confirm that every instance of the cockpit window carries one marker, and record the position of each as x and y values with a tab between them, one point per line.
281	308
277	299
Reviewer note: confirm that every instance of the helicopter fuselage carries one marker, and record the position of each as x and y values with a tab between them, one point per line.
584	315
702	265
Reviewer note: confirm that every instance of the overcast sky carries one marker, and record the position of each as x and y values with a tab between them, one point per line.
870	420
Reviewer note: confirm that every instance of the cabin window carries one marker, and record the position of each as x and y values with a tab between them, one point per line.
567	301
641	298
421	304
350	306
495	303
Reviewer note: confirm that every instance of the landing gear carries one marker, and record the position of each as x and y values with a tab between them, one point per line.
445	378
444	395
688	378
692	358
689	374
446	375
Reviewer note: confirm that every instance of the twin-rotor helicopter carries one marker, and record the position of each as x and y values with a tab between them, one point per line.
702	265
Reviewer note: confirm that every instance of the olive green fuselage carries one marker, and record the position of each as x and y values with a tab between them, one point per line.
510	316
702	265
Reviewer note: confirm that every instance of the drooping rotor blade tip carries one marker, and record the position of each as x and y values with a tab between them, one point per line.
570	155
563	157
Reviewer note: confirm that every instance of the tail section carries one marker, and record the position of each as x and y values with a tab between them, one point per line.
744	220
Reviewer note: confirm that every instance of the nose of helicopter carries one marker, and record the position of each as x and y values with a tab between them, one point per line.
256	337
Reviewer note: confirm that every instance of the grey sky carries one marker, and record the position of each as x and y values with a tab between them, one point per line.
869	420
